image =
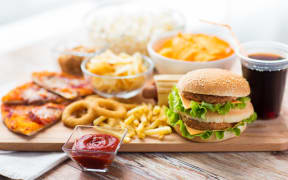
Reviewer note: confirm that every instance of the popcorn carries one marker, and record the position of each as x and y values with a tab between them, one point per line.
131	31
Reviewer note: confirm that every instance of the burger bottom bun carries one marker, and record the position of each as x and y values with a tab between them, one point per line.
212	138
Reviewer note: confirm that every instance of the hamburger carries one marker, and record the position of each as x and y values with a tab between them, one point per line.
210	105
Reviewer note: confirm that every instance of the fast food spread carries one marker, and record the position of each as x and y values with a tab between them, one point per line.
195	47
207	104
153	86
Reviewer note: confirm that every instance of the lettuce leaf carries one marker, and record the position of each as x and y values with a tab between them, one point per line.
174	119
199	110
174	101
219	134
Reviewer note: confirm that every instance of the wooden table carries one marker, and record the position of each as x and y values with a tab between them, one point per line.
17	66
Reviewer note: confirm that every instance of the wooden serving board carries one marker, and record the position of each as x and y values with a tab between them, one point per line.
269	135
262	135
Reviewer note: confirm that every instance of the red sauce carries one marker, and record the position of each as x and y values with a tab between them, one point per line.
91	150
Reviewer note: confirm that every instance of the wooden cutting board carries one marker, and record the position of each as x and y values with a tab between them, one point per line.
269	135
263	135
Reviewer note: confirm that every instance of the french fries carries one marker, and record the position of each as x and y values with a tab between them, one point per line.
160	130
113	133
140	121
99	120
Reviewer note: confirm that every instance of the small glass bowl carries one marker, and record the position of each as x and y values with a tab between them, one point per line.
105	85
88	160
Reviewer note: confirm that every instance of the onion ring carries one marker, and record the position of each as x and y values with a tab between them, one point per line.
73	114
92	98
126	104
129	106
109	108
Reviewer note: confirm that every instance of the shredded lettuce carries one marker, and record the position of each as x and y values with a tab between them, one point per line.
199	110
174	119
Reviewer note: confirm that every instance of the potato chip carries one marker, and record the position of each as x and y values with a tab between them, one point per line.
195	47
110	64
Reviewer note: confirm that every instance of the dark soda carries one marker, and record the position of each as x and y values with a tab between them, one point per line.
267	87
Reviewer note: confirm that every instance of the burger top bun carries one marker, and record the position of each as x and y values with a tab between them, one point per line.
216	82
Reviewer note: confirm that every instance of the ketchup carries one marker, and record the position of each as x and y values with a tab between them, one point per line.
95	151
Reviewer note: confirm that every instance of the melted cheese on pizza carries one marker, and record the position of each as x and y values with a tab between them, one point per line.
30	93
69	87
30	119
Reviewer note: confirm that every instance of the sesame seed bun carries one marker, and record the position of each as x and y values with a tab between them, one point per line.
212	138
212	81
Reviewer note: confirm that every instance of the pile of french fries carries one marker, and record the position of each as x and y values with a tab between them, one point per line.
141	121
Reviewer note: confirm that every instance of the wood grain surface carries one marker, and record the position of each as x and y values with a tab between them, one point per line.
254	138
17	66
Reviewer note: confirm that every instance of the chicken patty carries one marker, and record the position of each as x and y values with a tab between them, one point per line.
195	124
208	98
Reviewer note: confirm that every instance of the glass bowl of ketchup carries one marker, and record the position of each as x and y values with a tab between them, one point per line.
264	65
94	149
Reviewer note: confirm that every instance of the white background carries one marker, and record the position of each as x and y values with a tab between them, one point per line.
23	22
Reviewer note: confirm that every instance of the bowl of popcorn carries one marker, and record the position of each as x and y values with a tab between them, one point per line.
178	52
117	75
128	27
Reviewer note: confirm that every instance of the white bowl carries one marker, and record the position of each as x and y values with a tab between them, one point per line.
166	65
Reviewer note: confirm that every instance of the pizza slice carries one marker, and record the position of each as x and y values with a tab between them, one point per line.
31	93
30	119
67	86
